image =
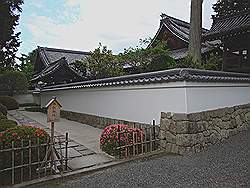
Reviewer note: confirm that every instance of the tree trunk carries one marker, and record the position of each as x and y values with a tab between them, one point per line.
195	31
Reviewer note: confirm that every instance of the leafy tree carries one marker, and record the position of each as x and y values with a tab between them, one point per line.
100	64
9	40
147	59
27	66
212	62
81	66
227	7
13	81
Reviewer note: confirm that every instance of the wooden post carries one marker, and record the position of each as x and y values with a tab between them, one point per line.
119	140
142	140
150	138
30	159
66	151
154	145
52	132
38	155
133	136
22	160
13	163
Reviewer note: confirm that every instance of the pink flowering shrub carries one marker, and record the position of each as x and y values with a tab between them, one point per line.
109	140
21	136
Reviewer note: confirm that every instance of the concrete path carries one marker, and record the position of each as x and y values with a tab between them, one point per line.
84	150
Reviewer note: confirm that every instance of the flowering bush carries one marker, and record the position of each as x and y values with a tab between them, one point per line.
21	136
25	133
110	140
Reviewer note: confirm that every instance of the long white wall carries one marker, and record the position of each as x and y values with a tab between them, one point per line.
29	97
137	103
209	96
144	103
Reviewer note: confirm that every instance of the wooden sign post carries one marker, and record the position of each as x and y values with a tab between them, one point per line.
53	115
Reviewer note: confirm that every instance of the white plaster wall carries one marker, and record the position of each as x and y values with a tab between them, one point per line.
209	96
24	98
137	103
145	103
37	98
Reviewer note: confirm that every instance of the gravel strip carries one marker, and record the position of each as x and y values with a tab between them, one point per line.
225	164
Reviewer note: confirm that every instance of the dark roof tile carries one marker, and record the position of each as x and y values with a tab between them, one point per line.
158	77
50	55
229	25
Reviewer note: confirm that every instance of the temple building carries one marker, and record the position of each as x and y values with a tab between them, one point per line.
233	30
54	66
228	35
175	33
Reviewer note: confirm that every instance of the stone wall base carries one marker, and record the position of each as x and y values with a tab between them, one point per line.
184	133
97	121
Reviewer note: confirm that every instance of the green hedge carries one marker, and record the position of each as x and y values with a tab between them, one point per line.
9	102
2	116
28	104
36	109
3	109
6	124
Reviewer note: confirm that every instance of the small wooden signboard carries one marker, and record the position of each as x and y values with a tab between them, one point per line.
53	110
53	115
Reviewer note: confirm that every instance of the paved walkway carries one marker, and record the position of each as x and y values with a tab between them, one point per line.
84	150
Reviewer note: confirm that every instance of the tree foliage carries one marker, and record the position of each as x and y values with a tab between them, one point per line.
27	66
13	81
213	61
142	59
9	40
227	7
101	63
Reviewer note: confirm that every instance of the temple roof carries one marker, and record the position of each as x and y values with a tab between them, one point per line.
176	26
182	53
50	55
173	75
229	25
56	67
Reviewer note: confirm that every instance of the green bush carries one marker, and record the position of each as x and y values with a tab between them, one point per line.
36	109
3	109
9	102
28	104
2	116
6	124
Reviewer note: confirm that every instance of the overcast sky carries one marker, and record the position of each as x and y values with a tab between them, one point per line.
82	24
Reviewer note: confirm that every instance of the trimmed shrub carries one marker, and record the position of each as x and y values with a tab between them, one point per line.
36	109
9	102
6	124
109	140
28	104
3	109
2	116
